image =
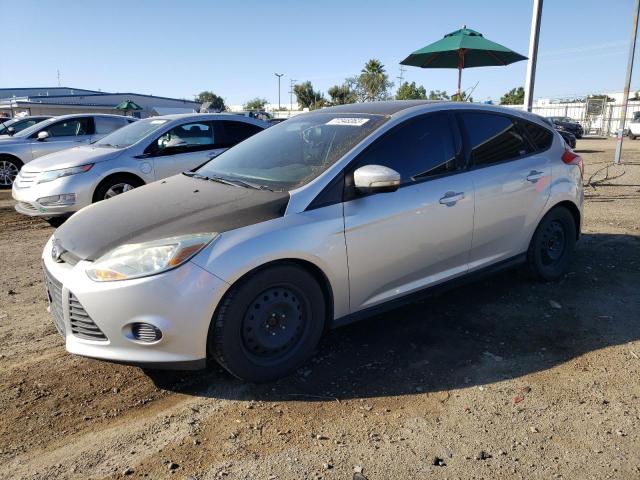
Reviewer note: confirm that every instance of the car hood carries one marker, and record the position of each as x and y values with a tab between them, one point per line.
72	157
178	205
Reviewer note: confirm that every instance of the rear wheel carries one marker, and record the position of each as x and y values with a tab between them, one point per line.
551	248
632	136
269	324
9	169
114	186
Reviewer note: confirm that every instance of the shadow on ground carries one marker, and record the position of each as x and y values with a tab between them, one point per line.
500	328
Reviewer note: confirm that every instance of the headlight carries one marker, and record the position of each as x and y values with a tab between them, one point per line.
149	258
51	175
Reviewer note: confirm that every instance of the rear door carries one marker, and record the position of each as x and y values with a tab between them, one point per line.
511	179
419	235
63	134
230	133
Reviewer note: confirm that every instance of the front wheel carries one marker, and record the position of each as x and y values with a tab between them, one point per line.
114	186
632	136
551	248
9	169
269	324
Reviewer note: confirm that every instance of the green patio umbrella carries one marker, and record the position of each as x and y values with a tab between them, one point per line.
128	106
463	48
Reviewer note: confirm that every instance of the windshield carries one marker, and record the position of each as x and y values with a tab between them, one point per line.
35	128
130	134
292	153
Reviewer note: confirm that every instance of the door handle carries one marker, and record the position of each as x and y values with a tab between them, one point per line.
534	176
451	198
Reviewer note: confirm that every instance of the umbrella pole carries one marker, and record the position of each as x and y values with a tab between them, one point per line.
459	84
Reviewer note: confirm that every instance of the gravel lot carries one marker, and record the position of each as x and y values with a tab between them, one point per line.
506	378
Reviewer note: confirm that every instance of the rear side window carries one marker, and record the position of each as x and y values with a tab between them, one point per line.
229	133
419	148
540	136
493	138
105	125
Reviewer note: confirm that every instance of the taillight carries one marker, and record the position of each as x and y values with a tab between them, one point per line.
572	158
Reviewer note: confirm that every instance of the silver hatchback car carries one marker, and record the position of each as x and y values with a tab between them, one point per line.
56	185
313	223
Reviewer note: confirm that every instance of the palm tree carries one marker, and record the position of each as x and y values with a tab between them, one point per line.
373	82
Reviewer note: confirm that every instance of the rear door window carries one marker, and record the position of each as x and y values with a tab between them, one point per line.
493	138
230	133
419	148
105	125
188	137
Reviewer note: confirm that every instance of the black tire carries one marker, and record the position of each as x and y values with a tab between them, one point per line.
114	181
551	248
56	221
9	168
632	136
257	347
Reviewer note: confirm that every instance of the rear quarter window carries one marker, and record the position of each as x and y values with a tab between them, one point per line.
541	137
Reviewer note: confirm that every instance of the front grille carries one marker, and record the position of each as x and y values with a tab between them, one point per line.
54	290
81	324
25	179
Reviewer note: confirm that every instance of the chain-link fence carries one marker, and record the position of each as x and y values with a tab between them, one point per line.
603	120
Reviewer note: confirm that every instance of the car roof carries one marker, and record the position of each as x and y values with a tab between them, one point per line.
210	116
385	107
76	115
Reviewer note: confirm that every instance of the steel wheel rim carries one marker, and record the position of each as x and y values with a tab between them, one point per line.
553	243
274	324
117	189
8	173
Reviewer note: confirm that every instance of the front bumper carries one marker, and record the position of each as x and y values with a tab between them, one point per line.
180	303
27	196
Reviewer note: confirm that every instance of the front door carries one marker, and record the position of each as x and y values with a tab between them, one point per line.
419	235
62	135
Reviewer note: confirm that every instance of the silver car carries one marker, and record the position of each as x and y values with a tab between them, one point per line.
313	223
9	127
52	135
61	183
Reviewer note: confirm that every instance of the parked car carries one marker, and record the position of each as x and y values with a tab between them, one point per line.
52	135
566	135
569	125
313	223
63	182
11	126
633	130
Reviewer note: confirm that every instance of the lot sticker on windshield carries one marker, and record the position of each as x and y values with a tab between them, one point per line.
158	122
353	122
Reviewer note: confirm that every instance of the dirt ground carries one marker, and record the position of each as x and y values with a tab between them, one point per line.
506	378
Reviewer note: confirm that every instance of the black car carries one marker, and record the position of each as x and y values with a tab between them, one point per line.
11	126
568	137
569	125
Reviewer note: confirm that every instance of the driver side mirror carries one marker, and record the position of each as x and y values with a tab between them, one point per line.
43	135
11	131
376	178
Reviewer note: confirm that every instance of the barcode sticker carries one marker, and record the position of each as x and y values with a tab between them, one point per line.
352	122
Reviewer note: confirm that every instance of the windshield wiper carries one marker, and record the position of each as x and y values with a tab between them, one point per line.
244	183
211	179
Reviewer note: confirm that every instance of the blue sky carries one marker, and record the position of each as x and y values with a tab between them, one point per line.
179	48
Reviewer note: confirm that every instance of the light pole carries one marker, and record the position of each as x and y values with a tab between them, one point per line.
279	75
627	83
292	81
536	18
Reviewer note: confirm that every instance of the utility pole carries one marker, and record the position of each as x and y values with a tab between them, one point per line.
401	76
292	82
279	75
627	83
536	18
59	82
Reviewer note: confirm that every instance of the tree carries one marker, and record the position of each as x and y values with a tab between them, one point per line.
256	103
373	82
515	96
411	91
438	95
461	98
342	94
307	96
217	103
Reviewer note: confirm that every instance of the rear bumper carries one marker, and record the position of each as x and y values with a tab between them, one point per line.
180	303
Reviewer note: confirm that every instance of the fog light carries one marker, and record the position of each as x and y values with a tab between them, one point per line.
145	332
64	199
